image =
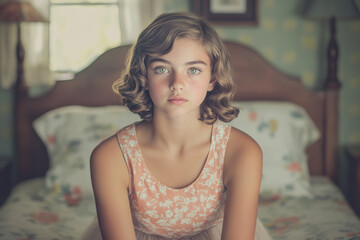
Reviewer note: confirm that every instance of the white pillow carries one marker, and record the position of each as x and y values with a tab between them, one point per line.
70	134
283	130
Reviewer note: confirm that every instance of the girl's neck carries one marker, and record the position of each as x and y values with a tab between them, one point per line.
179	132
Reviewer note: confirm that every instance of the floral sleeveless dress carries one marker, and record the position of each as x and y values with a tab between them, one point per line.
160	212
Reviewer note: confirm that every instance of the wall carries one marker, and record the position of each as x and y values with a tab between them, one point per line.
293	44
298	46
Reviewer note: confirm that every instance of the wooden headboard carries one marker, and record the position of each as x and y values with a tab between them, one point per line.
254	77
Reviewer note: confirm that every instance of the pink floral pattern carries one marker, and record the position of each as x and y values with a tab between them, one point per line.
253	116
173	213
51	139
45	217
283	132
326	216
294	167
74	197
281	225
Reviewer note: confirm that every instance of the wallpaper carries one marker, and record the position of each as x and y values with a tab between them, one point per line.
298	46
291	43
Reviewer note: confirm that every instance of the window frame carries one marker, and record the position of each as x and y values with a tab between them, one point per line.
60	75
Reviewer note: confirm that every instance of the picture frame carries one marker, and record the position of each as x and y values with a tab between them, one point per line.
227	12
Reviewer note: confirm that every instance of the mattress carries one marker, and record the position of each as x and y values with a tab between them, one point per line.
29	213
325	216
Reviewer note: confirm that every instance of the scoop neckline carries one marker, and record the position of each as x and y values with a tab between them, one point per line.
144	166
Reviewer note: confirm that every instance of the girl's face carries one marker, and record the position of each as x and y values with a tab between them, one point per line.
178	81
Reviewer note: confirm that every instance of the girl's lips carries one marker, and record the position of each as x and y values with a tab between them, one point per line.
177	100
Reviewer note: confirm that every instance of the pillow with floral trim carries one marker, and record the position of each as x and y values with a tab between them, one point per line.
70	134
283	130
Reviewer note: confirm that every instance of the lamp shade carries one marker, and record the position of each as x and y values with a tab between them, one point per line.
325	9
19	12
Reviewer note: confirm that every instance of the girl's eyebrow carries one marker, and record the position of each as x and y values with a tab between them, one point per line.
196	62
167	62
158	60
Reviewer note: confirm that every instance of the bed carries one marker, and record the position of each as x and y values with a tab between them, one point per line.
295	127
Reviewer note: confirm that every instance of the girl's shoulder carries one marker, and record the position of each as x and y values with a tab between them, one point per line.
107	159
106	147
243	153
240	141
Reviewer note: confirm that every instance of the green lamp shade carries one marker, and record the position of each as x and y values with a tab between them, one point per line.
325	9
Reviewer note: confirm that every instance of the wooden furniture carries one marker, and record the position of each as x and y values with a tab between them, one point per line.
254	77
249	17
353	154
321	217
18	12
5	178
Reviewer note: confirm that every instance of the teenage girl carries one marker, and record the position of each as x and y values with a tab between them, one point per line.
181	173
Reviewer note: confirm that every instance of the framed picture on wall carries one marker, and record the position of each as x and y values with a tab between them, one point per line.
227	12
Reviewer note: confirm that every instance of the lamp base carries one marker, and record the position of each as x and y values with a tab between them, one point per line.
20	55
332	54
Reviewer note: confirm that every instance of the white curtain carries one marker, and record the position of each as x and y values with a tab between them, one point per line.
35	40
135	15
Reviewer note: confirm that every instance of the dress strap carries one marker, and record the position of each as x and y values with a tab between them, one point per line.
221	136
124	138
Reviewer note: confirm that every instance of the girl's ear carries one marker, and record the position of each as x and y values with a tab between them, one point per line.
211	85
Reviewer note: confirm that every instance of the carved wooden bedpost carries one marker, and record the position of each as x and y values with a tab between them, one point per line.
20	128
27	143
331	107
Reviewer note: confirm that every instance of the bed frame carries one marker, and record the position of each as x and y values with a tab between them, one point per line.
255	79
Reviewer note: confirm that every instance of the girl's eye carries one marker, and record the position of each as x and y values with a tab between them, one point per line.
161	70
194	71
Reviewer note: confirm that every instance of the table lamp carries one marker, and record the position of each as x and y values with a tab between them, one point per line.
17	12
330	10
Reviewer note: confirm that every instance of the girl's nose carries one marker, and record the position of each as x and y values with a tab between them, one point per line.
177	82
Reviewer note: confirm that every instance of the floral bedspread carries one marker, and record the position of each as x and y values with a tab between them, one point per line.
324	217
30	214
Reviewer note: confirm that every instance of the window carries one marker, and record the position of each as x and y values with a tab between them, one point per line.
80	30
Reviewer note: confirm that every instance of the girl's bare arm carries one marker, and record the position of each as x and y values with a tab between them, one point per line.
242	178
110	180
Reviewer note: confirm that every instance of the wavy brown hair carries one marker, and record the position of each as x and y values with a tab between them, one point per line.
158	39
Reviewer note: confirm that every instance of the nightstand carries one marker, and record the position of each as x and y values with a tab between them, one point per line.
353	154
5	178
